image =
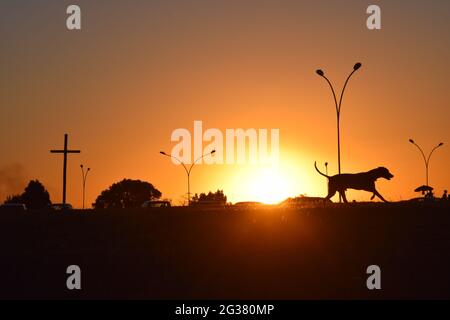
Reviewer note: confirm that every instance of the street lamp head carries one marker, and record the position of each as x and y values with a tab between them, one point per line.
162	152
357	66
411	140
320	72
326	164
89	169
81	166
441	144
214	151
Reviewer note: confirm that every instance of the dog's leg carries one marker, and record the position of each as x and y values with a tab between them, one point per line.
331	193
329	196
342	193
379	196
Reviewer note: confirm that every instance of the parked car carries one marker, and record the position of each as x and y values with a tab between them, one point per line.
13	207
156	204
304	201
208	204
60	206
248	204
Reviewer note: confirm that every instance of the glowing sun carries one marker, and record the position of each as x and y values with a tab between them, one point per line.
270	185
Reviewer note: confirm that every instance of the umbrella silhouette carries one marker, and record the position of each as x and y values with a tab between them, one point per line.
423	189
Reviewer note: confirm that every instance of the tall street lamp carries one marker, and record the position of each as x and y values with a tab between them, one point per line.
188	171
426	159
84	175
338	108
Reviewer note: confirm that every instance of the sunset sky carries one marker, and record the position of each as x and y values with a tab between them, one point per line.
140	69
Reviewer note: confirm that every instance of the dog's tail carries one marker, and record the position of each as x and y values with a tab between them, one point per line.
323	174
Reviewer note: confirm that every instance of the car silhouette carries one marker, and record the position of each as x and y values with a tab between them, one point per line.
156	204
61	206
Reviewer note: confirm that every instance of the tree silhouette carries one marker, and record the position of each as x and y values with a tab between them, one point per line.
217	197
126	194
34	197
14	199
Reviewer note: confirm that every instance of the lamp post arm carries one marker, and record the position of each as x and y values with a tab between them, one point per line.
343	90
429	156
423	154
425	160
179	161
334	95
196	160
85	176
82	174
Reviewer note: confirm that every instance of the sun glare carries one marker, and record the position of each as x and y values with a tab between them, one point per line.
270	186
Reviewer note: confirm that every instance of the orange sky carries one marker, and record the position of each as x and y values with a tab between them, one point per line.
137	71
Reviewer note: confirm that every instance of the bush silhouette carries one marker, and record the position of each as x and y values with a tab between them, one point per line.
35	196
126	194
14	199
217	197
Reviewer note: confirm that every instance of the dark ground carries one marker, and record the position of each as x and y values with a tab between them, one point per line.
179	253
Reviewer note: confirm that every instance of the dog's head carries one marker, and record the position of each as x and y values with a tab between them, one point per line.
383	172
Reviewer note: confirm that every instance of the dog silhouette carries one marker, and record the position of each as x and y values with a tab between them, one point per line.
358	181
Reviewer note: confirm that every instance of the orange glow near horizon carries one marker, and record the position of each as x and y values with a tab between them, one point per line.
271	187
268	185
137	72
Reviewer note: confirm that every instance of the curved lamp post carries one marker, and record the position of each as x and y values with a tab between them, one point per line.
426	159
188	171
84	175
338	108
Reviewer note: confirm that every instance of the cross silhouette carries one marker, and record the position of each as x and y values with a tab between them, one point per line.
65	152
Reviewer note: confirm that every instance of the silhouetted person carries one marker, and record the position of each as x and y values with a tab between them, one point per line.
445	196
429	195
